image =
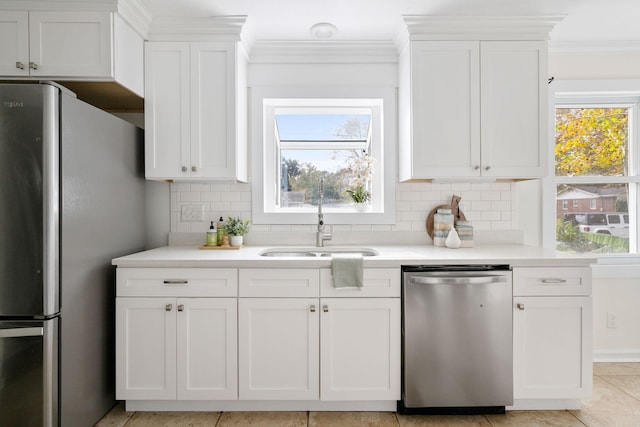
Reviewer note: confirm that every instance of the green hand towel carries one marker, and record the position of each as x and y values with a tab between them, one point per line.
347	270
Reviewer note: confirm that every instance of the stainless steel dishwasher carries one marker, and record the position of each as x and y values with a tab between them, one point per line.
456	339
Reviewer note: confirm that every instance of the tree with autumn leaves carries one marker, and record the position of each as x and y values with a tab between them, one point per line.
591	141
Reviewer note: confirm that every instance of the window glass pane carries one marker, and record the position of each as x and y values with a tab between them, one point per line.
597	224
323	127
342	170
591	141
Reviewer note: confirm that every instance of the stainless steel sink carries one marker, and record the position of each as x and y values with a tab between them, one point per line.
316	252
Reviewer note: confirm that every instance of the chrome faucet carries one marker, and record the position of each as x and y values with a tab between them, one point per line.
321	236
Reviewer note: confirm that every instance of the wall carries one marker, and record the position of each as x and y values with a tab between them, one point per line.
616	288
490	206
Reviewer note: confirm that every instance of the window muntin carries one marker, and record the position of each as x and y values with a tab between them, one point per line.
594	165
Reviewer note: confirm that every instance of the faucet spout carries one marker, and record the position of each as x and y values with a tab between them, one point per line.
321	236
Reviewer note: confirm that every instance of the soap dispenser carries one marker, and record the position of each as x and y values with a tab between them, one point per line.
221	232
212	237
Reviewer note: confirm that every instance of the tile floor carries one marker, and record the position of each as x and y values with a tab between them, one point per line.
615	403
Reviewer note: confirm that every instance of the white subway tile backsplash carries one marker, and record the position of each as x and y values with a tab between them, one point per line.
489	206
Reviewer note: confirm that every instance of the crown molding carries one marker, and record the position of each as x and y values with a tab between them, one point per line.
325	52
437	27
213	28
62	5
136	15
599	47
132	11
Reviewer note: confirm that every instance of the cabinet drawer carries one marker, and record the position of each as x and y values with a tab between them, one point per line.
279	282
378	282
178	282
552	281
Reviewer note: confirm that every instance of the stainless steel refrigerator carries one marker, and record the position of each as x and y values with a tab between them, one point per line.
71	199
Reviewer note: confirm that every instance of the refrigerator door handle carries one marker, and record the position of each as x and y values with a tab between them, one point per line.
21	332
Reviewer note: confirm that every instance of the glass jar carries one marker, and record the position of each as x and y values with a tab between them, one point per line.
465	232
442	223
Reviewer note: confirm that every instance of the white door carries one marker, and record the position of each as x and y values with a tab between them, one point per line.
14	48
445	91
278	348
212	110
145	348
360	349
207	349
166	105
71	44
513	120
552	347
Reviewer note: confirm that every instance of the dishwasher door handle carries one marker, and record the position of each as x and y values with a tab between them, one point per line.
456	280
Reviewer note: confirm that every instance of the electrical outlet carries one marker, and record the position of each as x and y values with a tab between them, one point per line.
192	212
612	321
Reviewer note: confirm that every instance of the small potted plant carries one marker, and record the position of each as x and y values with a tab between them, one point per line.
359	196
236	228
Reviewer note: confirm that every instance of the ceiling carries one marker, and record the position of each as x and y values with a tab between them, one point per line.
611	21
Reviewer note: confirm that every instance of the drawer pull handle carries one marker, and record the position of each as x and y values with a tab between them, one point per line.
168	307
180	307
325	308
553	281
312	309
520	306
176	282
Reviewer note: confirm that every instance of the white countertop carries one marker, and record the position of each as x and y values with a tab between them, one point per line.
389	256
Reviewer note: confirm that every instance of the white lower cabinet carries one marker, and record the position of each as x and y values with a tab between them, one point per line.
207	334
176	348
332	349
176	333
552	336
552	347
360	349
279	348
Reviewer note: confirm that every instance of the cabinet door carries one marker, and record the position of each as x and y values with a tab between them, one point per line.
445	104
207	349
360	349
145	348
166	104
212	110
71	44
552	347
278	349
514	105
14	49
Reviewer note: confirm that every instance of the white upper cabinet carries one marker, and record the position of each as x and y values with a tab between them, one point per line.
71	45
472	103
195	111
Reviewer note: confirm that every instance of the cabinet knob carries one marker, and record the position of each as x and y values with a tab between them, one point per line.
184	169
168	307
520	306
20	65
194	169
312	309
487	168
180	307
325	308
476	167
33	65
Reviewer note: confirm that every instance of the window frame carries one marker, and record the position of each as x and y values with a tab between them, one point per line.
596	93
264	150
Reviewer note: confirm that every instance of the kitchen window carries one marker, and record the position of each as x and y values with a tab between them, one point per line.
596	165
344	141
